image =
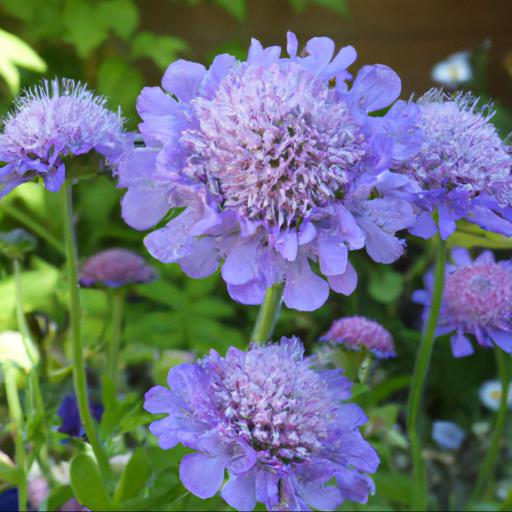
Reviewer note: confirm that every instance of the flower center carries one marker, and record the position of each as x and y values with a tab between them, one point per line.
274	143
480	294
281	408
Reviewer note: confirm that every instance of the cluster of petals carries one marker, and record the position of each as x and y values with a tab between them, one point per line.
50	123
356	332
271	165
477	300
115	268
463	170
278	427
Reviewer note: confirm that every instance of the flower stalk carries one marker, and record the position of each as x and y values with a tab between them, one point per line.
115	339
268	314
487	468
79	375
419	377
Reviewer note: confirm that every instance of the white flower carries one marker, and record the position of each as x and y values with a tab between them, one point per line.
490	394
453	71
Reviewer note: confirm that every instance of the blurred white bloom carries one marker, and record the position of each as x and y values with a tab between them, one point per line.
453	71
447	434
12	351
490	394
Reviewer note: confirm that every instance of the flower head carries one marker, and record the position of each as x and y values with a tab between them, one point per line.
477	300
490	394
115	268
448	434
51	122
273	164
464	169
70	416
276	425
356	332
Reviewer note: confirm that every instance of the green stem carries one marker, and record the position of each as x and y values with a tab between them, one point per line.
16	414
35	396
487	468
267	316
420	491
115	340
32	225
79	375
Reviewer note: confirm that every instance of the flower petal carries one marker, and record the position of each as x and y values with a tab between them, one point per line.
240	492
182	78
201	474
461	346
344	283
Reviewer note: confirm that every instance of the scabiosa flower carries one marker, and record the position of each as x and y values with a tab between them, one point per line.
276	425
464	169
355	332
273	164
115	268
70	416
477	300
50	123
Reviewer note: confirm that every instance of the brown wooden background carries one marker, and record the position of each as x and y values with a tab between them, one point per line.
409	35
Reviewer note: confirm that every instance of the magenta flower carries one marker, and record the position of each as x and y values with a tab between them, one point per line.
51	122
355	332
277	426
115	268
464	169
477	300
274	164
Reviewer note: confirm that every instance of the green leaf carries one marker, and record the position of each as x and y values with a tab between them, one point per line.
385	285
134	477
87	483
121	16
57	497
339	6
469	236
85	29
15	52
162	50
9	473
237	8
120	82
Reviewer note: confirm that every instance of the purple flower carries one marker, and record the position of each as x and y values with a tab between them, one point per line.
276	425
273	164
447	434
477	300
70	416
115	268
356	332
51	122
464	169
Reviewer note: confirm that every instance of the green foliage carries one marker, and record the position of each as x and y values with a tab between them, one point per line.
88	485
133	477
15	53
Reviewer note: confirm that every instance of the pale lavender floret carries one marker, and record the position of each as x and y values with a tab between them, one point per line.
477	300
51	122
448	434
278	427
356	332
276	164
464	169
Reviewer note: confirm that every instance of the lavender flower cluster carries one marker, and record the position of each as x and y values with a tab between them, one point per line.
279	166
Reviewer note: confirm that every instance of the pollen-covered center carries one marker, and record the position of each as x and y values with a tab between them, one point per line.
479	294
273	143
276	404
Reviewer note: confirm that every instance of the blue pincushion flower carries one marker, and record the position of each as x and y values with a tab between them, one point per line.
464	169
51	122
70	416
277	426
273	164
477	300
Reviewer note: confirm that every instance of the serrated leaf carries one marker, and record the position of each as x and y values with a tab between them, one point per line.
87	483
133	478
162	50
121	16
85	29
15	52
237	8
